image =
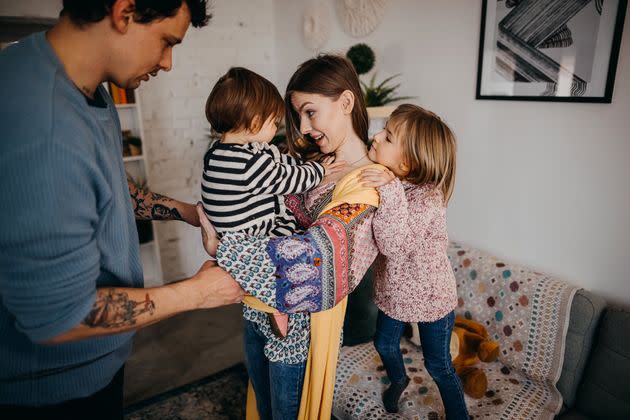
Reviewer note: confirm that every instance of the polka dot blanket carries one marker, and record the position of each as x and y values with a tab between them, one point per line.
525	311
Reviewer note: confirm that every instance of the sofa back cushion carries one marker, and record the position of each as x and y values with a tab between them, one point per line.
605	388
586	311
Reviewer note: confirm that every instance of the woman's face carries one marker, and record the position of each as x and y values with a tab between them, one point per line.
323	121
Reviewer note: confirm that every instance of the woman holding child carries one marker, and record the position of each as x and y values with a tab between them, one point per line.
326	107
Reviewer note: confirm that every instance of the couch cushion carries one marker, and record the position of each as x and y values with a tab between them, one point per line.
361	381
605	388
572	414
586	311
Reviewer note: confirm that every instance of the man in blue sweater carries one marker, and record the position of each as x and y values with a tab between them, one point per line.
71	283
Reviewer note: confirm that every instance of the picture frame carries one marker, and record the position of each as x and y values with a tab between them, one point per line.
549	50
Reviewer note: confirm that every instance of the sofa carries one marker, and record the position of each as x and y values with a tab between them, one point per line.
564	353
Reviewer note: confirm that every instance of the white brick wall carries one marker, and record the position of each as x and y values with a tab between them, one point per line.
239	34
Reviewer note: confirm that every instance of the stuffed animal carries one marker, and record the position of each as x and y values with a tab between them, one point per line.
470	345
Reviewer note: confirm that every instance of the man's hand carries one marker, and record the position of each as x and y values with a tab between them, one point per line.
118	310
209	237
216	287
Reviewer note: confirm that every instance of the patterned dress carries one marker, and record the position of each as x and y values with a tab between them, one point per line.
303	273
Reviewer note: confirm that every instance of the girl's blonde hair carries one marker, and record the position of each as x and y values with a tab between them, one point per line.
429	147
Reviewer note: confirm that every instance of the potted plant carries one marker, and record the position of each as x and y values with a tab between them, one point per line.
377	96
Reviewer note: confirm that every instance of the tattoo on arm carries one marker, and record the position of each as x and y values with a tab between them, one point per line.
160	212
116	309
148	205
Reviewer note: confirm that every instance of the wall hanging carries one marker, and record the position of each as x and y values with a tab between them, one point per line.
316	25
360	17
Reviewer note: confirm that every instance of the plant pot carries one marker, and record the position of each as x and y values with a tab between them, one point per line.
380	111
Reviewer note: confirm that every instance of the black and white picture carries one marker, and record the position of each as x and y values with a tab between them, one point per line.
549	50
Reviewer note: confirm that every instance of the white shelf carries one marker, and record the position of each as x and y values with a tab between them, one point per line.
132	158
125	106
131	119
147	244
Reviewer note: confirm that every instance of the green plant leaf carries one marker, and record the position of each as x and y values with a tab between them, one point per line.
384	82
381	94
372	80
388	91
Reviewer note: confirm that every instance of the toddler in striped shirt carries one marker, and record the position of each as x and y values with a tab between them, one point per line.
245	178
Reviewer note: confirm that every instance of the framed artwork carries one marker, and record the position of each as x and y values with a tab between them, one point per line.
549	50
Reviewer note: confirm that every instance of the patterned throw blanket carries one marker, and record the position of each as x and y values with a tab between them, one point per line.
525	311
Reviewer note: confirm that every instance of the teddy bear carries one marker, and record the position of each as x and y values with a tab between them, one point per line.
469	346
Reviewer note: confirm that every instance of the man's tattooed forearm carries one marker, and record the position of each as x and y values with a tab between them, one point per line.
148	205
160	212
115	309
138	201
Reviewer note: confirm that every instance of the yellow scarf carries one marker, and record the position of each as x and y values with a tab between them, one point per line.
321	364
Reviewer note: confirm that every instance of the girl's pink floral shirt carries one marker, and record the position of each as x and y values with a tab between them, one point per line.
414	281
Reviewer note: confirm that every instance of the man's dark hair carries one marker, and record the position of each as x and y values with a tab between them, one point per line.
83	12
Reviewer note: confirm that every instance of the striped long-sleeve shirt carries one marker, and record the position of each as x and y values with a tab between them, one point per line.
243	187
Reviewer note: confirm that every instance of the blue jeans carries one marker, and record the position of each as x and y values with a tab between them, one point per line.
435	338
278	386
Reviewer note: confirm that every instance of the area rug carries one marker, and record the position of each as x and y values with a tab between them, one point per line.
220	396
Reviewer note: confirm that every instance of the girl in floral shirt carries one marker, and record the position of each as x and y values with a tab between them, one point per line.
414	281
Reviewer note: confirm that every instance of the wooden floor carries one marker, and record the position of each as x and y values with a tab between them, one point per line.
183	349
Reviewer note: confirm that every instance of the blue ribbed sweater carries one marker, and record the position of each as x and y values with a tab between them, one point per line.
67	228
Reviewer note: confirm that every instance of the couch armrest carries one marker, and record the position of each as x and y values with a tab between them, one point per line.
604	391
586	311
